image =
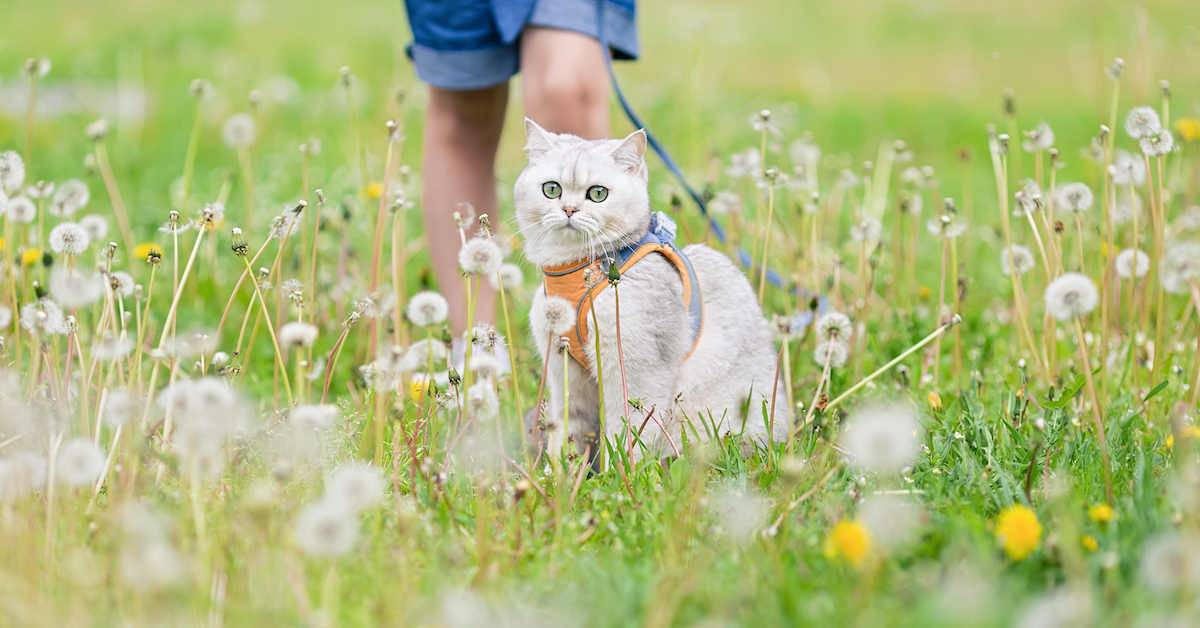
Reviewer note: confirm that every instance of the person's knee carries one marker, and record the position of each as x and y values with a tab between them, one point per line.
470	114
566	95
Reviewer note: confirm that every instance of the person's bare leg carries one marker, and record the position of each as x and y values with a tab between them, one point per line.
462	132
564	81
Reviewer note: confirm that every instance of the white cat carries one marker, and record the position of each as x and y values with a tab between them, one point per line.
582	199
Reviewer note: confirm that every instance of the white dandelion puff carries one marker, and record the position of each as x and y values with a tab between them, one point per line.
12	172
509	275
834	351
1179	267
740	514
1020	259
297	334
724	203
554	316
6	316
1061	609
211	215
69	198
69	238
744	164
834	326
1126	205
1159	144
882	438
1142	122
891	519
43	317
1071	295
325	529
355	486
74	287
1126	169
313	417
95	226
482	402
112	348
21	210
239	130
1039	138
80	463
480	256
485	364
427	308
1074	197
119	408
868	229
96	129
122	284
1169	562
1132	262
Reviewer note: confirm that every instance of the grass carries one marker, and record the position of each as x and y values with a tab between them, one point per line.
719	536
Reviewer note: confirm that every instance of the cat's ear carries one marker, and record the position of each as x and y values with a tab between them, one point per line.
537	140
631	151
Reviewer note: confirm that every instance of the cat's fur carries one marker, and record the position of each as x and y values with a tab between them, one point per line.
731	369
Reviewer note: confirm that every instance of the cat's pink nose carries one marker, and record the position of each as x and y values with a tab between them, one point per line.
569	211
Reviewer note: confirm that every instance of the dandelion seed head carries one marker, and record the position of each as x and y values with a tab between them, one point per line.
21	210
1125	207
1169	562
239	130
111	348
482	402
740	513
1071	295
313	417
882	438
869	229
744	164
1159	144
1142	122
1127	168
509	275
725	203
21	474
480	256
552	316
79	463
1132	262
119	408
1179	267
834	326
419	356
12	172
485	364
69	198
68	238
44	317
427	308
355	486
212	214
152	566
74	287
1074	197
324	529
834	351
1021	259
297	334
1039	138
95	226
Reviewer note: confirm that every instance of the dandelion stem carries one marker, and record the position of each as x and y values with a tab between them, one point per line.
274	338
379	222
956	319
114	194
1097	420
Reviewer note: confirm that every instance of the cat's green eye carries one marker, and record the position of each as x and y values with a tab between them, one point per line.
597	193
552	189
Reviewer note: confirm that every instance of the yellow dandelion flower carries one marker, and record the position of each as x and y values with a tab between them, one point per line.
31	256
1190	431
416	388
1017	528
1104	249
850	541
374	189
1188	129
142	251
1101	513
924	292
1089	542
2	243
1170	441
935	401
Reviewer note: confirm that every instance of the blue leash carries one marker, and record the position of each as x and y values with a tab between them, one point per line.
717	229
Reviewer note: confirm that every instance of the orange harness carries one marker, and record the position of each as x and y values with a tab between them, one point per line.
568	281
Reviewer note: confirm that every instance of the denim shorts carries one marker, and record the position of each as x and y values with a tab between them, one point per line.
472	44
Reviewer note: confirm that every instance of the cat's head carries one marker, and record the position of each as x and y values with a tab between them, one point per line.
578	198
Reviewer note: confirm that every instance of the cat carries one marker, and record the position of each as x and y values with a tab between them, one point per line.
721	386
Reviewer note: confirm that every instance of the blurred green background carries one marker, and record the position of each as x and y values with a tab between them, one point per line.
852	72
